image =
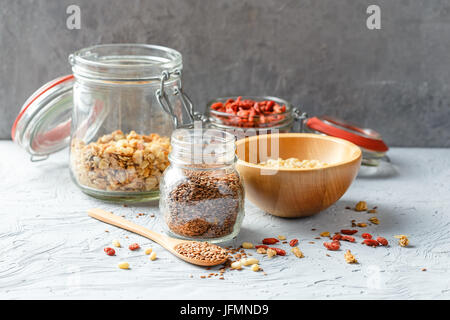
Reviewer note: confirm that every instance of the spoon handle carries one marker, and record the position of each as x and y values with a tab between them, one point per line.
120	222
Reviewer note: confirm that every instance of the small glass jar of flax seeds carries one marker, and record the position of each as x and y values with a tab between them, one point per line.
201	192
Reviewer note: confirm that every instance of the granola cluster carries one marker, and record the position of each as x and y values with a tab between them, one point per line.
119	162
403	240
349	257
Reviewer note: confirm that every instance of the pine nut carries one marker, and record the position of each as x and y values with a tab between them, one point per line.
249	261
255	267
124	265
236	265
247	245
153	256
148	251
116	243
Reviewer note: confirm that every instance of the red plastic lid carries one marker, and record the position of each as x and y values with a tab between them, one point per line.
363	137
43	124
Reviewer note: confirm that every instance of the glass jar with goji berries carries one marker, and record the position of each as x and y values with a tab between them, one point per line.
250	115
202	194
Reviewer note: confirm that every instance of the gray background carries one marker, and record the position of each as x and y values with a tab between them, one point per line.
315	53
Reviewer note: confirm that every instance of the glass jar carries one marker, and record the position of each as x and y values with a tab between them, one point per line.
117	112
279	123
202	194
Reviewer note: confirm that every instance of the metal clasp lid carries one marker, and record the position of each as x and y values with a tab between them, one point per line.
164	102
300	117
362	137
44	121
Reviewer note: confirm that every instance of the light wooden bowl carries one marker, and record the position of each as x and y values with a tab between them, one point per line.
293	193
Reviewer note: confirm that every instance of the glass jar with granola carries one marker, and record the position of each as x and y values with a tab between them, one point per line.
117	112
120	163
202	195
127	102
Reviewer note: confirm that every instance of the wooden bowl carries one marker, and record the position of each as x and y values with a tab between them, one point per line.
293	193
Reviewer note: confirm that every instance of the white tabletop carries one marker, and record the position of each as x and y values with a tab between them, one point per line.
50	248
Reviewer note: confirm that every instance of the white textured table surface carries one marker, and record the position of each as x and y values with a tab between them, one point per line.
50	248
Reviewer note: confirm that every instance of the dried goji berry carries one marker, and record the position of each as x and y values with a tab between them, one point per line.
293	242
217	105
349	232
333	246
133	246
270	241
262	246
337	236
348	238
382	241
109	251
279	251
371	242
366	236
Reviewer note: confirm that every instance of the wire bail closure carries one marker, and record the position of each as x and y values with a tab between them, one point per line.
164	101
300	117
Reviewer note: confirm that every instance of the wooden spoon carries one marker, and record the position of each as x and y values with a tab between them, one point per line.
202	256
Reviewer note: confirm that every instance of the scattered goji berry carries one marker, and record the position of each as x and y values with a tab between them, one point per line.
133	246
371	242
270	241
262	246
382	241
349	232
337	236
366	236
293	242
333	246
109	251
280	252
348	238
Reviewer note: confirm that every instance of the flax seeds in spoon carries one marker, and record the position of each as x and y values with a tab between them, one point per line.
202	251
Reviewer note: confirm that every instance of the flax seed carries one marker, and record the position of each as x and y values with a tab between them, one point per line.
204	204
203	251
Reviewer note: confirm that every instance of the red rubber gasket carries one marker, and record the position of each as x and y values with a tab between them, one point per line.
51	85
365	142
